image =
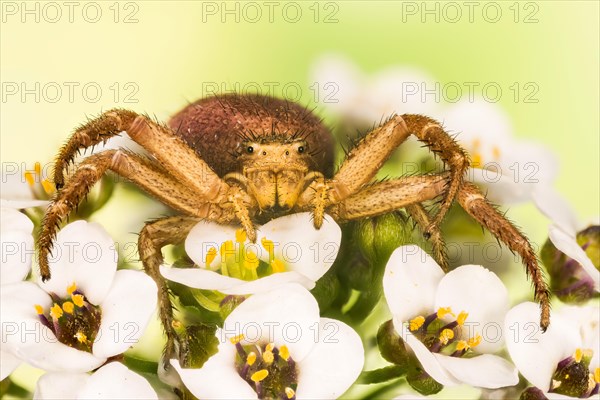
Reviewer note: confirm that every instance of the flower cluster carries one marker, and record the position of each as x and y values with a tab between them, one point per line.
305	313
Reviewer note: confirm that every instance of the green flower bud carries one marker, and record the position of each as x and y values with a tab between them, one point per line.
422	382
391	345
199	343
327	290
568	280
378	237
229	304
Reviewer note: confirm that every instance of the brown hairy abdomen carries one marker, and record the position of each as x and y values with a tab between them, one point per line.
215	126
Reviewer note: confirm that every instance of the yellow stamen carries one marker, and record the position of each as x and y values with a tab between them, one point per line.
48	186
270	347
578	355
443	311
237	339
80	336
277	266
71	288
446	335
597	375
462	317
474	341
39	309
284	352
227	249
476	160
259	375
68	307
29	178
240	236
210	256
416	323
251	358
289	392
56	312
268	357
496	152
37	167
461	345
251	261
77	299
269	246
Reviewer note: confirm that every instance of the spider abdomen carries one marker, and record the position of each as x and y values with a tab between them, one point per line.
216	126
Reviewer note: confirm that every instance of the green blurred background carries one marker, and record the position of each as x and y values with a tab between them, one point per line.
154	56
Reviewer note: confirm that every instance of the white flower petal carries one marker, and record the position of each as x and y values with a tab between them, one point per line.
396	90
13	220
83	253
334	363
20	204
200	278
536	355
218	378
8	363
300	246
479	120
556	208
427	359
486	370
479	292
501	188
204	236
18	315
17	251
116	381
333	72
269	282
16	192
60	385
126	311
568	245
287	315
51	355
410	282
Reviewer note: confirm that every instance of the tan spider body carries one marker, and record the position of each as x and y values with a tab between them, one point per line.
247	159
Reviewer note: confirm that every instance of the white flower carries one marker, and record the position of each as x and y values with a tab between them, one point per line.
24	189
112	381
290	248
573	333
363	100
17	248
423	301
564	228
88	311
510	169
276	339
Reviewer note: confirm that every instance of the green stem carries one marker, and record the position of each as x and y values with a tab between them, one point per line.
381	375
139	365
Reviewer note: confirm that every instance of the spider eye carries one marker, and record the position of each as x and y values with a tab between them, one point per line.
250	149
301	149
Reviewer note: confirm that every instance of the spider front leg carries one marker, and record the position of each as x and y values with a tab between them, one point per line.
476	205
153	237
146	174
371	152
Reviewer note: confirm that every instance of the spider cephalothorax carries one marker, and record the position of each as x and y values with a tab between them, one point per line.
245	159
